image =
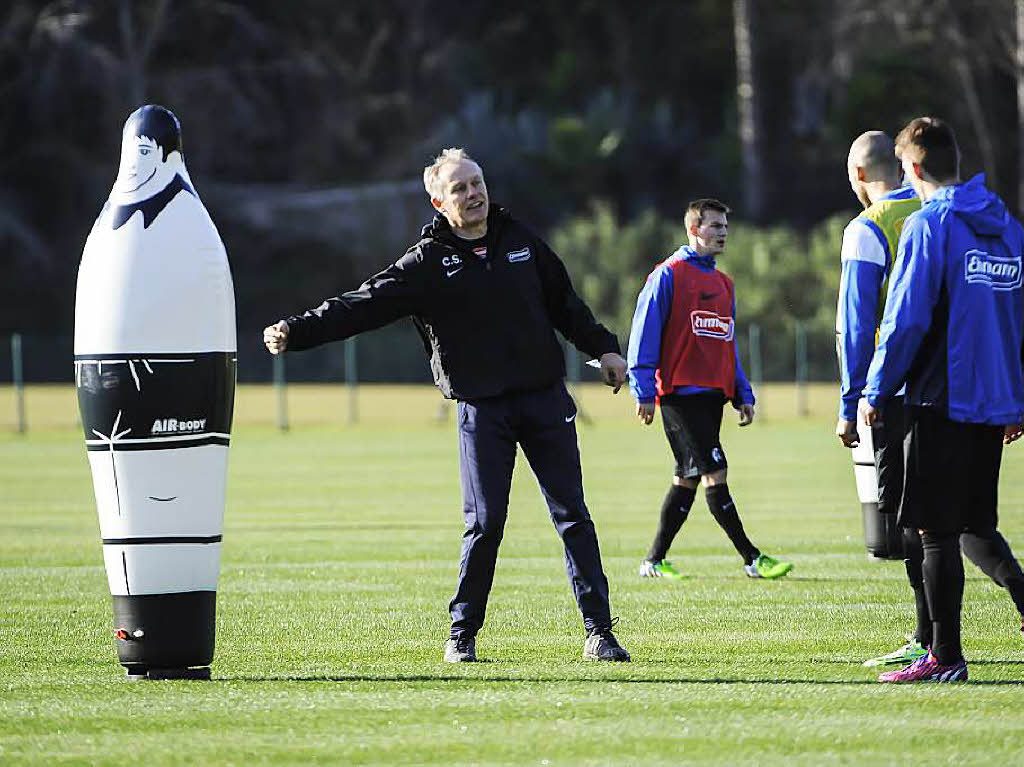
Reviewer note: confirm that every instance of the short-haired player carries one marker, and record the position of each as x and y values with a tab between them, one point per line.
682	355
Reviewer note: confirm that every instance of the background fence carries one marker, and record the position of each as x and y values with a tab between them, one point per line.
394	355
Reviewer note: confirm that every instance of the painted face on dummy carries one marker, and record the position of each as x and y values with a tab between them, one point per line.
141	159
464	199
710	234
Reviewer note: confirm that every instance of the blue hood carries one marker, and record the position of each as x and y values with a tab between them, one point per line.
976	206
688	253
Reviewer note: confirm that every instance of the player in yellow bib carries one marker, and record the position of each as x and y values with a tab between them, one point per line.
870	248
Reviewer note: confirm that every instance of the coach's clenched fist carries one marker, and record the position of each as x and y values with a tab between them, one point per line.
276	337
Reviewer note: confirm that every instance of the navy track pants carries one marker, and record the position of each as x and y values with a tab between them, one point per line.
543	422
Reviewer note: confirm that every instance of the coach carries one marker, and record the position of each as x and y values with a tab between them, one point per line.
486	295
952	329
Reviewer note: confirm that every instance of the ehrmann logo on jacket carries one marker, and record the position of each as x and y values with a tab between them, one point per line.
711	325
998	272
519	255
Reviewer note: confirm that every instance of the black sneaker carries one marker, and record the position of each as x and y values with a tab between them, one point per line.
461	650
601	644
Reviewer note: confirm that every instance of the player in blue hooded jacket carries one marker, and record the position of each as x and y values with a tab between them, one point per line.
874	173
952	331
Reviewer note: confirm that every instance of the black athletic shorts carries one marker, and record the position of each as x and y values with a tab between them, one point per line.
952	473
692	423
887	438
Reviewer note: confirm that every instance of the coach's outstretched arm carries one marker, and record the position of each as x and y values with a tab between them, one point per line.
387	296
574	320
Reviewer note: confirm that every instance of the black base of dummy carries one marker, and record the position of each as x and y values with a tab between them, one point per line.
153	674
165	632
882	536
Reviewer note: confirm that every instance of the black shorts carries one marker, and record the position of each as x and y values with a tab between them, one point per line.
887	438
952	473
692	423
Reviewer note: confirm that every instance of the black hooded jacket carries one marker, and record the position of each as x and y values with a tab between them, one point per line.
488	324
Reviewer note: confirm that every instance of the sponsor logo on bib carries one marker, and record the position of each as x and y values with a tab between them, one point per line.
711	325
998	272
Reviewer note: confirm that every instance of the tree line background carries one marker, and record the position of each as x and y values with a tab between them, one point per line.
306	125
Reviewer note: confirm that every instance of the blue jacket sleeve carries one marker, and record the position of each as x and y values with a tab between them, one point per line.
744	392
652	309
914	290
859	291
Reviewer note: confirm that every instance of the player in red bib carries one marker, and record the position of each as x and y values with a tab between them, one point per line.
682	354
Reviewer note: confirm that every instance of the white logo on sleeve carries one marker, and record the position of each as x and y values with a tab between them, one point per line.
998	272
716	455
519	255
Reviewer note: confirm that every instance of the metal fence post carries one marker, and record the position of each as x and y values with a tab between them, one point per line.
280	388
574	373
18	376
756	368
352	379
801	368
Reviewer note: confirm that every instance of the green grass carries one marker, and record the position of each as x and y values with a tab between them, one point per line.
340	555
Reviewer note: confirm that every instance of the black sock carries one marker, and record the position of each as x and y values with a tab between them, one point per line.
991	553
724	511
674	510
944	586
913	555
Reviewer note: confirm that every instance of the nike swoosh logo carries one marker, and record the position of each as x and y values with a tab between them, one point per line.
570	418
450	272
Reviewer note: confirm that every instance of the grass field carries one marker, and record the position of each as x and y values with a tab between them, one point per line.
340	554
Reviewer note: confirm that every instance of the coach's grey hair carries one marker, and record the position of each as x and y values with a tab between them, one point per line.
432	172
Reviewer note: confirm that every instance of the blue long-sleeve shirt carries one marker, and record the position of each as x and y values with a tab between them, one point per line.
653	307
866	262
953	326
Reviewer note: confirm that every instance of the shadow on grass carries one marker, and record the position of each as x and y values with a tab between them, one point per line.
491	679
837	579
301	526
834	662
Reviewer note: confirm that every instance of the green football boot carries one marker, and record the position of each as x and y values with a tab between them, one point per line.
662	569
767	567
909	653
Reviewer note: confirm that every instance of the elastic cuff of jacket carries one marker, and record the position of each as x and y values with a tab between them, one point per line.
846	415
647	400
875	400
296	342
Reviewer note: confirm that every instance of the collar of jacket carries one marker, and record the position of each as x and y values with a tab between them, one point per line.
441	231
691	255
